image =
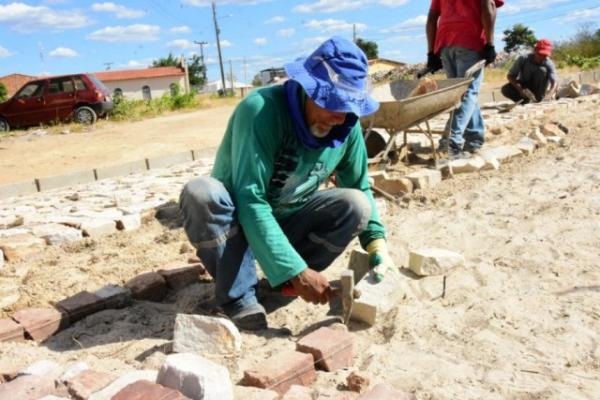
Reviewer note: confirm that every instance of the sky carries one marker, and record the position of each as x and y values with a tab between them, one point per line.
52	37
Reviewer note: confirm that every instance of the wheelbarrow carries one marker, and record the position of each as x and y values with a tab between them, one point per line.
399	113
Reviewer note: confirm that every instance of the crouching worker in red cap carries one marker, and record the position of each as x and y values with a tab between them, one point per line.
532	77
262	201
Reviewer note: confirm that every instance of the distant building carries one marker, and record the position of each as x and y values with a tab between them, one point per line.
13	82
383	65
240	88
147	83
271	75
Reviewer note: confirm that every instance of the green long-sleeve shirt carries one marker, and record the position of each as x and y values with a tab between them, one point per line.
270	175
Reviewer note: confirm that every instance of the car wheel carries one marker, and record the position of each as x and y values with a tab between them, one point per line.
85	115
4	127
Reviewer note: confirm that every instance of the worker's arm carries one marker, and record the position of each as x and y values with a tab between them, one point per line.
431	29
553	78
513	75
488	19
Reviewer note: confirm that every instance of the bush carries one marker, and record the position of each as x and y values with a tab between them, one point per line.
3	93
583	50
124	109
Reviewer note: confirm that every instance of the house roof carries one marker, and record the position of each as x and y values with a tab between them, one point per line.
385	61
13	82
128	74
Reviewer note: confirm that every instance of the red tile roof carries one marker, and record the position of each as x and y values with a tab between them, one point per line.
127	74
13	82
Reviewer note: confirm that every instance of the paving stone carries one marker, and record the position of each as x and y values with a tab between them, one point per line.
559	140
378	176
96	227
1	258
196	377
297	392
82	385
537	135
425	178
10	291
57	234
129	222
432	261
377	298
146	390
252	393
41	323
551	130
27	387
178	277
149	286
73	370
203	334
114	296
526	145
396	186
358	381
359	264
47	368
11	221
502	153
281	371
130	377
80	305
469	165
19	247
383	391
331	349
10	331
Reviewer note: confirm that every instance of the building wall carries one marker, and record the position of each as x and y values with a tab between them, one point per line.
132	89
14	82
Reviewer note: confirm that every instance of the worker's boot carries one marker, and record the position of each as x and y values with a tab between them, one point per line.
252	317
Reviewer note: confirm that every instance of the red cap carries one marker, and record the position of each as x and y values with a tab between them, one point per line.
544	47
499	3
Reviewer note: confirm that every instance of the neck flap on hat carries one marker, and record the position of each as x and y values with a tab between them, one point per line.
336	136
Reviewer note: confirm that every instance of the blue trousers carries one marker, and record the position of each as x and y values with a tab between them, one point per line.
319	232
466	126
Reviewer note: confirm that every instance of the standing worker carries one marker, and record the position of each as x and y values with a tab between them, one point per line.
459	34
282	143
534	73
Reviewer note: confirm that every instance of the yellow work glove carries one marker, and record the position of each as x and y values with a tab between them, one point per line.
379	259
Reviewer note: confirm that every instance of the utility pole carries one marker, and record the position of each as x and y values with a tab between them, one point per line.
354	33
217	31
245	71
231	78
202	59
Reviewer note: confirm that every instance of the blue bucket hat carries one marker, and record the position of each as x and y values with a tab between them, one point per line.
335	76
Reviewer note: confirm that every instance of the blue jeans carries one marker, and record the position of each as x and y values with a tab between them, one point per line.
319	232
466	127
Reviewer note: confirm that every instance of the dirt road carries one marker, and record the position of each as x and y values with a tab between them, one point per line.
26	156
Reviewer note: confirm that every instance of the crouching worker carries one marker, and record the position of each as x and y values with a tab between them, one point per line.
262	202
533	76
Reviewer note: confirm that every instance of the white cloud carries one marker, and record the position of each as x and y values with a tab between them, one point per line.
286	32
275	20
408	25
584	14
5	53
180	29
328	6
308	45
63	52
226	43
132	33
183	44
21	17
118	10
204	3
392	3
261	41
132	64
333	25
523	5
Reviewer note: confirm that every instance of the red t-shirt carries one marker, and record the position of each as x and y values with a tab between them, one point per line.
459	24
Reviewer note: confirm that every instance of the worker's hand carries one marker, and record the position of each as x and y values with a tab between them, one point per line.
434	62
489	53
312	286
380	261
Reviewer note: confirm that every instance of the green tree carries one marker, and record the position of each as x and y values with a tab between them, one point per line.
370	48
3	92
256	81
195	67
518	37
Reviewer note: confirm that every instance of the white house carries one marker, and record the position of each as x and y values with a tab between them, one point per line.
215	86
147	83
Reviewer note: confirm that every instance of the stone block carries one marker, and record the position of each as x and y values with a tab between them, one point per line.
57	234
113	296
432	261
196	377
281	371
203	334
9	291
18	247
149	286
359	264
551	130
425	178
80	305
129	222
1	258
526	145
167	161
146	390
502	153
115	387
72	370
45	368
112	171
62	181
27	387
82	385
97	227
396	186
378	298
559	140
537	135
178	277
383	391
297	392
331	349
10	331
41	323
252	393
18	189
378	176
358	382
469	165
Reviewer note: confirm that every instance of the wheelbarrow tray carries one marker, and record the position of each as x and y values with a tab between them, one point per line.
398	112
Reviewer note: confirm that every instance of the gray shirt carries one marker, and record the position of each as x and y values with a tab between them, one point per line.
525	66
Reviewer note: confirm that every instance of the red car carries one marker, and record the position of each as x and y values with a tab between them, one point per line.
80	97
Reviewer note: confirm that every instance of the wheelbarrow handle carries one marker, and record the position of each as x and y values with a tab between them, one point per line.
424	71
474	68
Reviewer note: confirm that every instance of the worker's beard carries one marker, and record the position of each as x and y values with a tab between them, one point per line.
316	132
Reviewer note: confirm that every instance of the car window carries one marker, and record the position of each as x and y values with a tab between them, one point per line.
79	83
33	89
61	85
97	82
